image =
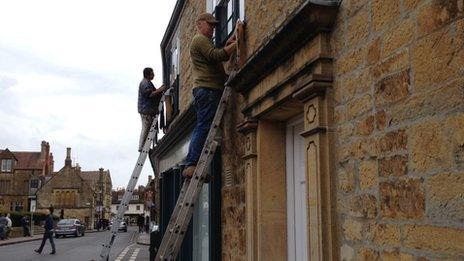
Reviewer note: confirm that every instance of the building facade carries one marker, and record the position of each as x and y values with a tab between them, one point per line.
76	193
21	174
135	208
343	139
100	182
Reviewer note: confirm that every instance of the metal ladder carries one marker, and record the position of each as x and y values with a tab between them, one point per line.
105	252
180	218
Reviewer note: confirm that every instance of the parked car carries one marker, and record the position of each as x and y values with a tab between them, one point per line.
69	227
122	226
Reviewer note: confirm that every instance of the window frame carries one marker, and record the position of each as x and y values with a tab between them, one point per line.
220	9
4	165
171	80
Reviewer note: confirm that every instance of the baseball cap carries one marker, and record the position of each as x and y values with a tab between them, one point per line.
207	17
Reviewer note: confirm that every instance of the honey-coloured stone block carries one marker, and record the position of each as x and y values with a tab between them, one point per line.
402	199
446	197
429	147
433	238
394	166
392	88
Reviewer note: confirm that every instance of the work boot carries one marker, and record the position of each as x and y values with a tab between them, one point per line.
188	172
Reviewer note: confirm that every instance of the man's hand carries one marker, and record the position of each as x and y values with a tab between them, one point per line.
231	39
231	46
158	91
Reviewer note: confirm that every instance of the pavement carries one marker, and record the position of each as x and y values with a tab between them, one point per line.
88	247
143	239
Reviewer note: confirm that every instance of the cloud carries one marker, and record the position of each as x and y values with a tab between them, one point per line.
6	82
69	73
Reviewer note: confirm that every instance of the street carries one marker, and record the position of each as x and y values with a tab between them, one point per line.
85	248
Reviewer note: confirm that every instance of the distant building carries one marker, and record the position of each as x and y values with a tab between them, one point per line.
76	192
136	204
21	174
100	181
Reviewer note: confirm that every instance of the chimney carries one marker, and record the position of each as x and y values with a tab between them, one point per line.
44	149
149	179
78	167
101	177
67	161
52	164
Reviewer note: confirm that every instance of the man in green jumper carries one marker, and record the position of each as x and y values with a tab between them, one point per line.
209	78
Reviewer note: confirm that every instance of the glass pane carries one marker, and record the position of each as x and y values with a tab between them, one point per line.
242	10
230	26
230	9
201	226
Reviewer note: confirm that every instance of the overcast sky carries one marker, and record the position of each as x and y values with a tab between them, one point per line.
69	73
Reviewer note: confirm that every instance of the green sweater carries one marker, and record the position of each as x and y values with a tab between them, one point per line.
207	63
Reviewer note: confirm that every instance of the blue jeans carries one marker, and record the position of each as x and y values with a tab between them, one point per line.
206	101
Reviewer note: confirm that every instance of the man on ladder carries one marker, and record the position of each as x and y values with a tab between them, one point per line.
209	79
210	101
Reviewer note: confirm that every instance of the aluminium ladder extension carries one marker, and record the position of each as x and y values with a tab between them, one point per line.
129	189
180	218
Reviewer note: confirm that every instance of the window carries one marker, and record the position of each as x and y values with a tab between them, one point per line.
4	186
171	103
138	207
6	165
34	183
227	12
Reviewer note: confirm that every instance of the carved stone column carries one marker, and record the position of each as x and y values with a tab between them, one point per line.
248	128
317	99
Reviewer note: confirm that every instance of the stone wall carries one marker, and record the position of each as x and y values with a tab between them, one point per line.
187	30
399	91
263	17
398	124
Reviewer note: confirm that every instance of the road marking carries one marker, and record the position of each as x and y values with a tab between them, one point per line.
123	253
134	254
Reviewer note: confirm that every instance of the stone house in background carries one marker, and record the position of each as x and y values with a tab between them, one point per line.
344	138
21	174
135	207
100	182
76	192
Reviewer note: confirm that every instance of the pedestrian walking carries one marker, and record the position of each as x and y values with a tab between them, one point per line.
9	225
147	224
140	222
25	225
3	227
48	234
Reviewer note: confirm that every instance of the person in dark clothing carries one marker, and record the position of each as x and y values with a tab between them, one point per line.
147	224
148	101
25	225
48	234
140	222
3	222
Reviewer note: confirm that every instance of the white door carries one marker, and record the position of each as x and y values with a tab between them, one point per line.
297	227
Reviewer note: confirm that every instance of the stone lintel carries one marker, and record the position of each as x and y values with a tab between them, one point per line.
313	131
311	90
